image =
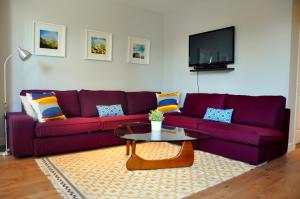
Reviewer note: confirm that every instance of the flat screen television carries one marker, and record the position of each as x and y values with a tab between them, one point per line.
212	49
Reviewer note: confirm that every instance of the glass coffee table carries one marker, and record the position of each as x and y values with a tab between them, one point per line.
137	131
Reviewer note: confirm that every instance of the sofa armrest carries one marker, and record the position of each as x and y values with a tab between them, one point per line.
285	129
20	134
286	126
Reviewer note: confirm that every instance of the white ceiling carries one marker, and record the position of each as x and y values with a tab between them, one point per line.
160	6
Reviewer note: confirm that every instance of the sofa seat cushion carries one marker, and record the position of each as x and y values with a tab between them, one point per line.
181	121
110	123
257	136
70	126
196	104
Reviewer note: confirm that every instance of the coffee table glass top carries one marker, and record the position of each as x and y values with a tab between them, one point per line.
138	131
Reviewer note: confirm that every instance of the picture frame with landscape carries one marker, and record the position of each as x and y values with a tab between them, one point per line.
98	45
138	50
49	39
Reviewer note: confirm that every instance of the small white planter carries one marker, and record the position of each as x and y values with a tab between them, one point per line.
156	125
155	135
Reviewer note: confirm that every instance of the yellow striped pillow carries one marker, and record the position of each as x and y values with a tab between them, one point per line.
45	106
168	102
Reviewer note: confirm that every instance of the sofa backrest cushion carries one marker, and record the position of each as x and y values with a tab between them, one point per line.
67	100
196	104
141	102
264	111
90	99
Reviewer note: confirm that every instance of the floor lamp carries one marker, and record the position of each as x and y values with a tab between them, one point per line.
23	54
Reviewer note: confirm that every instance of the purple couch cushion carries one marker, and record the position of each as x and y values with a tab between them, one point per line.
71	126
181	121
110	123
68	101
265	111
63	144
257	136
89	99
141	102
195	104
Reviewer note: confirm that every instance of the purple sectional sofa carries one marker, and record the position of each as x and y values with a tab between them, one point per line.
258	132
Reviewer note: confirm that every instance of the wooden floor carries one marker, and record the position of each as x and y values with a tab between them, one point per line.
21	178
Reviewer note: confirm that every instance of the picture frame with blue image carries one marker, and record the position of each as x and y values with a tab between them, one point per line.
49	39
138	50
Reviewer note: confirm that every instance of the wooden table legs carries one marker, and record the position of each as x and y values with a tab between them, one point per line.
184	158
128	142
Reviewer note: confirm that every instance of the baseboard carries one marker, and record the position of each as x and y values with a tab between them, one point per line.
291	147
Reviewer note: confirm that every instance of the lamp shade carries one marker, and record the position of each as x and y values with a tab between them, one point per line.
23	54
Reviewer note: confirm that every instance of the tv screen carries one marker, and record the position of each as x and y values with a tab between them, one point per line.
213	48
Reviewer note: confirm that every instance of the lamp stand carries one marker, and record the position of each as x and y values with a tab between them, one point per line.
24	55
6	152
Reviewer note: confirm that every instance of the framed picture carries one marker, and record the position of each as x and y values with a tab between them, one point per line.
49	39
138	50
98	45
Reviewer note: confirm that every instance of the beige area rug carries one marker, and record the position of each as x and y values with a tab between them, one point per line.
102	173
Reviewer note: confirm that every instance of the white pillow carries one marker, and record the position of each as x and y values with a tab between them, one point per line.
28	108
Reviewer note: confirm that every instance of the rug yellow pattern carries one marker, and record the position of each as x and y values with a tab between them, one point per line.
102	173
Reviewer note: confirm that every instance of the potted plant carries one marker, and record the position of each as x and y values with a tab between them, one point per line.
156	117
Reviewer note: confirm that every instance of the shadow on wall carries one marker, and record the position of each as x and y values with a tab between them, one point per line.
45	67
5	50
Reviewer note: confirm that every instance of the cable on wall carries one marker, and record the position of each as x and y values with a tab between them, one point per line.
198	81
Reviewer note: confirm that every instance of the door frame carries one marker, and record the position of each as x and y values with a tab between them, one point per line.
297	104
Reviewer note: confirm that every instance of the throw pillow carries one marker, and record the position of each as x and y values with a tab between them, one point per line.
112	110
218	115
28	108
168	102
46	107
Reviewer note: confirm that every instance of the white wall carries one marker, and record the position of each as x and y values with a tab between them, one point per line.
4	50
262	46
73	72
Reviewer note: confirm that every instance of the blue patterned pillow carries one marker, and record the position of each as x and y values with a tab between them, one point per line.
218	115
112	110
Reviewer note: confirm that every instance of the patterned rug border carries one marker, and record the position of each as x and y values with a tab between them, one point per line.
67	190
61	184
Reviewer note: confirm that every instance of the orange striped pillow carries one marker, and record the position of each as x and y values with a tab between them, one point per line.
168	102
46	107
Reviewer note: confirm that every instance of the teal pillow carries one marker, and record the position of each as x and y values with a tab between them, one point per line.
218	115
108	111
